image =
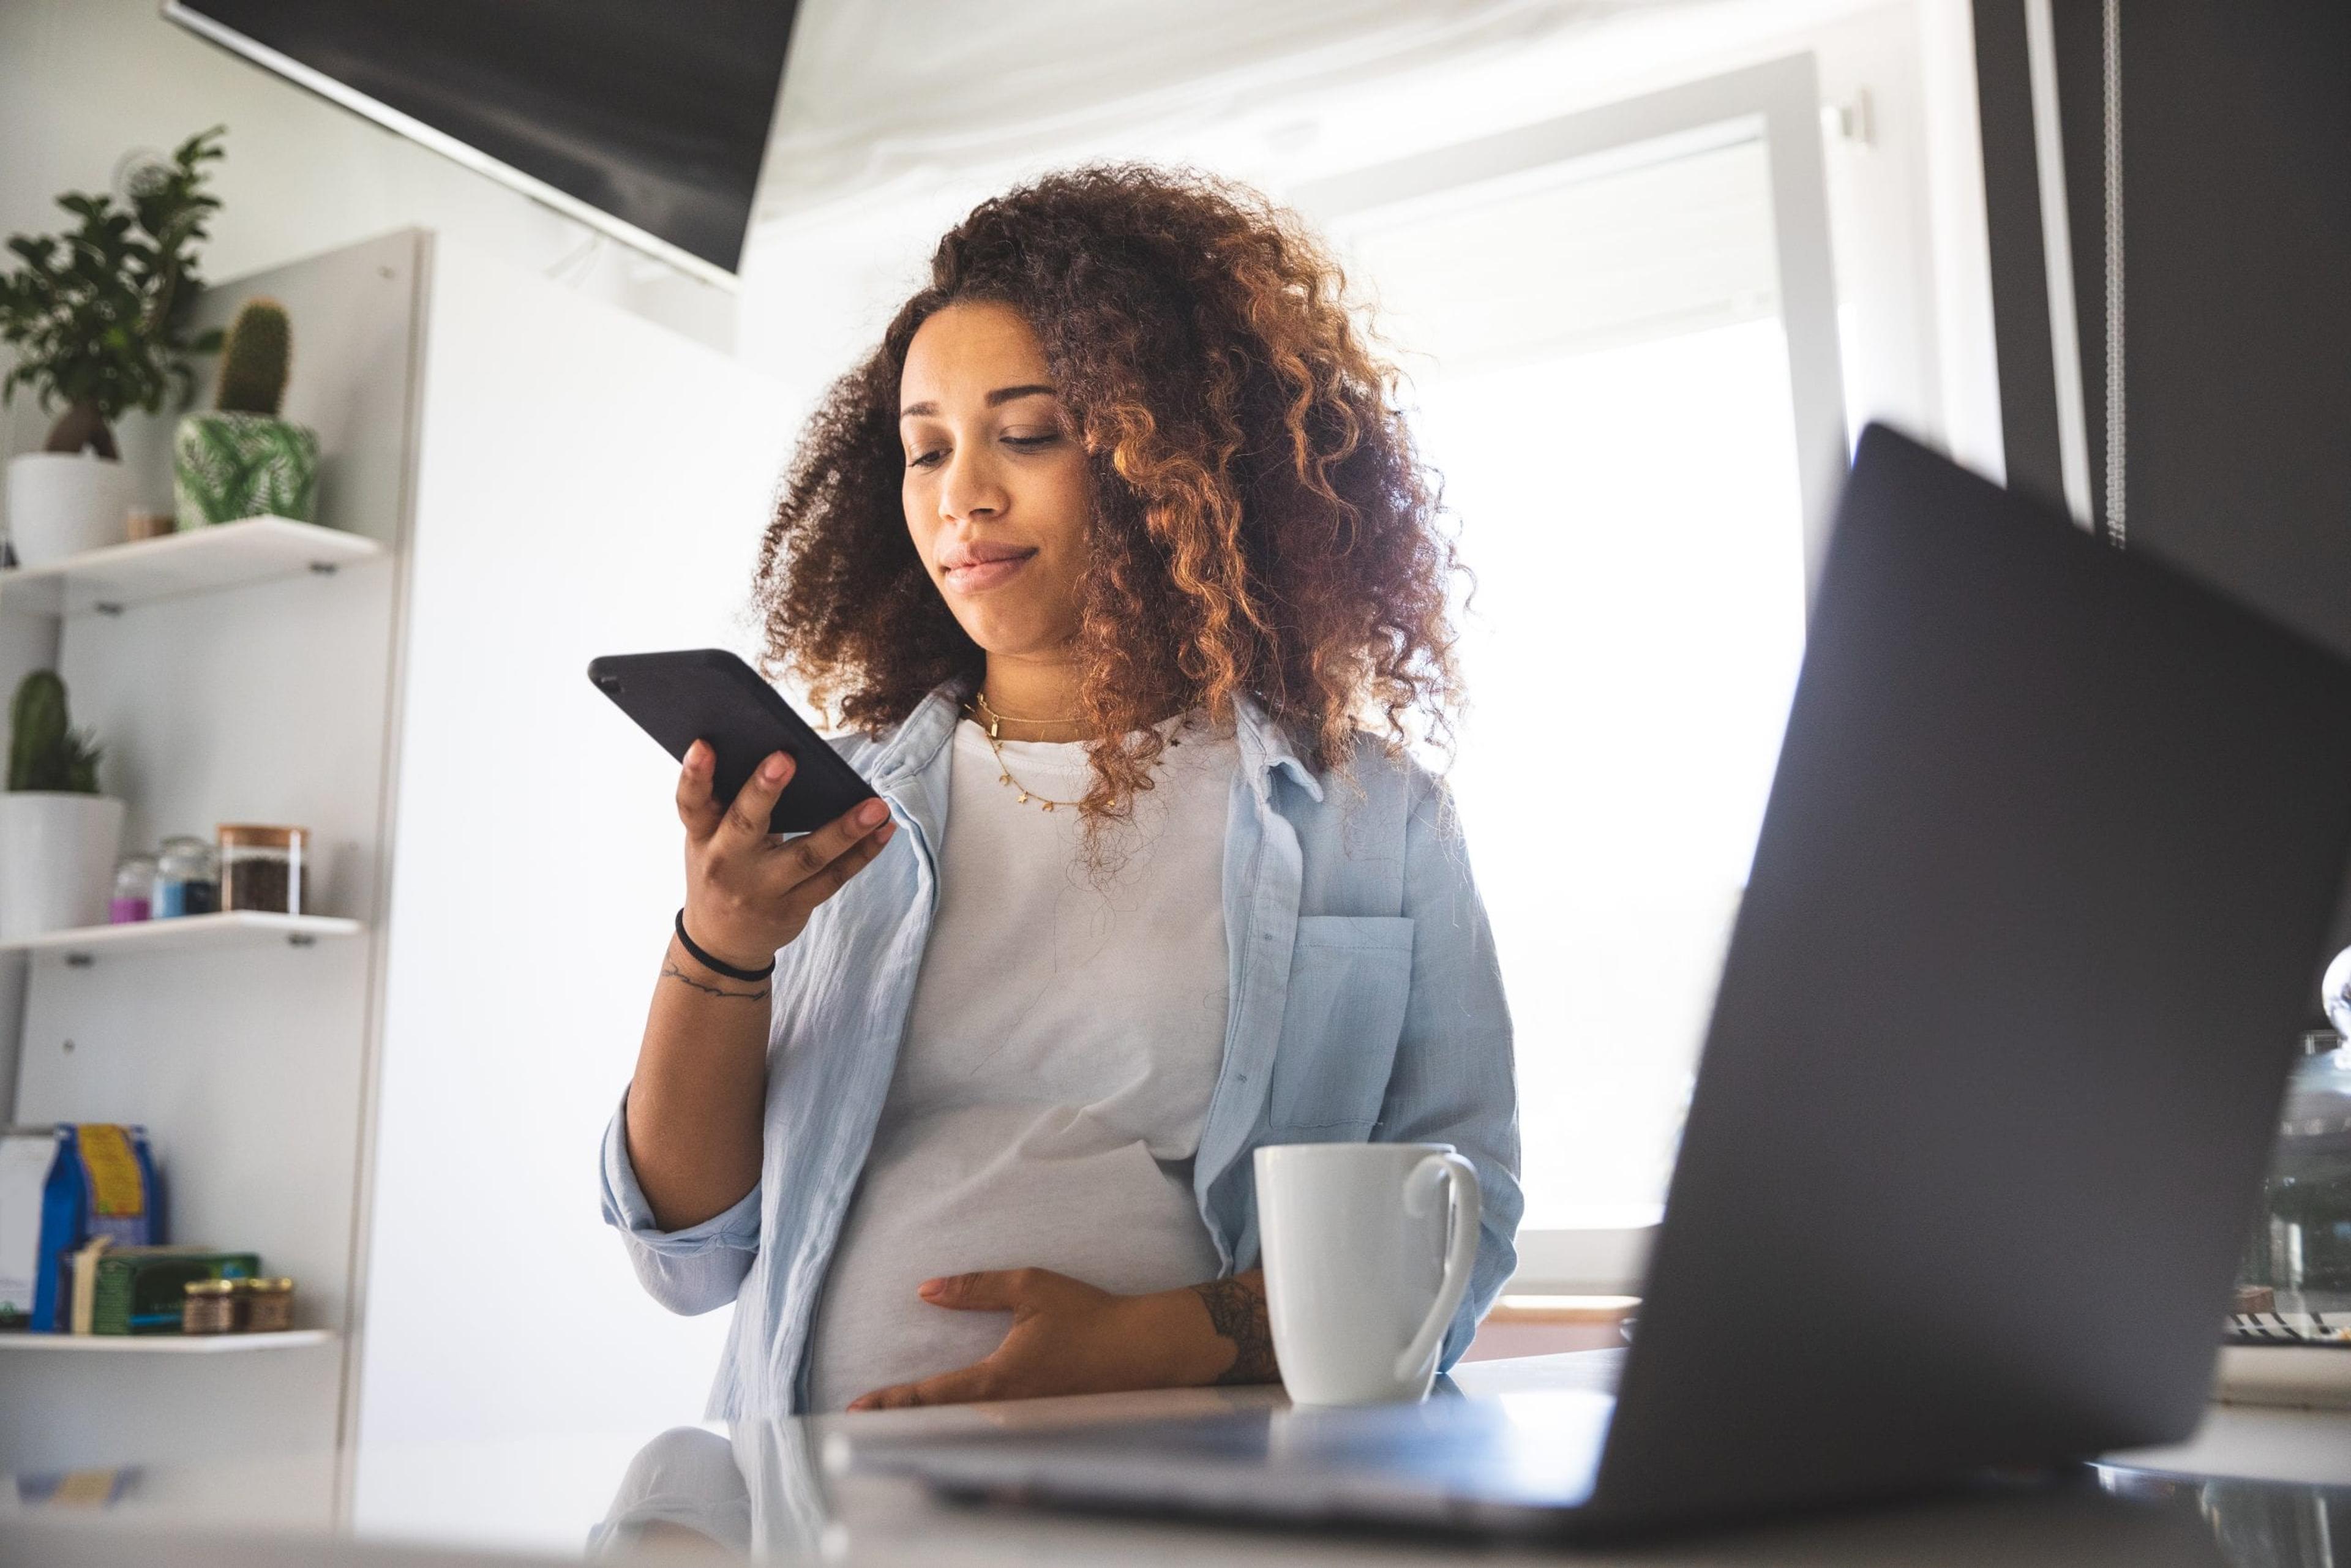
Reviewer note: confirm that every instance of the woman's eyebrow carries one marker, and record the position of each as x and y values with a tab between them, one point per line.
999	396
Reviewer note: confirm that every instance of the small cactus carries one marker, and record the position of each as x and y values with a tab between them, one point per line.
254	360
44	751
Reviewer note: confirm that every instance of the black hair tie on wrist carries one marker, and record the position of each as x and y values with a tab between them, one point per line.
713	965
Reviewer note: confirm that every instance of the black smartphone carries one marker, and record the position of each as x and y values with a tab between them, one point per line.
708	694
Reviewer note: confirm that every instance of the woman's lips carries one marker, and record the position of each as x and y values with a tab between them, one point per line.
985	574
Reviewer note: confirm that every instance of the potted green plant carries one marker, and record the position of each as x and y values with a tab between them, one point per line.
58	836
99	320
241	460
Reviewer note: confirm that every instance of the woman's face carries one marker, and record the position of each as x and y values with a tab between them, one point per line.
996	491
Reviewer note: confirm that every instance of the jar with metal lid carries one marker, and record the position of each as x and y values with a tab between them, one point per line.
134	891
268	1305
211	1306
263	868
187	878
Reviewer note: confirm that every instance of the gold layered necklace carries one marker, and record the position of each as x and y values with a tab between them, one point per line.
991	718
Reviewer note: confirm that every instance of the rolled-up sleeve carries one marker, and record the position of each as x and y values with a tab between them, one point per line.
1454	1081
691	1271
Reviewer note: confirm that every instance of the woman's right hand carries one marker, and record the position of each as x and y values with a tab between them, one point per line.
749	891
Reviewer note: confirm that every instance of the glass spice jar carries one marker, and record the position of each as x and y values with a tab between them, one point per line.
212	1307
134	891
262	868
268	1305
187	878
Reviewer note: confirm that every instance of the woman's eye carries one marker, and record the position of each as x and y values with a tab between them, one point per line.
928	458
1032	443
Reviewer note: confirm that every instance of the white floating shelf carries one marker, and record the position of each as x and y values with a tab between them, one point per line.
227	555
166	1344
234	928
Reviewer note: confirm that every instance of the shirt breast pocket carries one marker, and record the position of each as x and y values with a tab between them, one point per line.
1350	976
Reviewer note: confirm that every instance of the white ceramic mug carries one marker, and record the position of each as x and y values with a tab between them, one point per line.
1361	1277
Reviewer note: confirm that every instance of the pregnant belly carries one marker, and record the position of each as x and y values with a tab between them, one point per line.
958	1200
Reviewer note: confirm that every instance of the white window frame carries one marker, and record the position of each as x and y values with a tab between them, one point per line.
1778	102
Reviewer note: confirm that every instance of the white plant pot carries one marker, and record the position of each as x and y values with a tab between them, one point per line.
62	503
56	860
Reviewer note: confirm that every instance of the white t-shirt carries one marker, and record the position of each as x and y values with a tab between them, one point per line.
1064	1038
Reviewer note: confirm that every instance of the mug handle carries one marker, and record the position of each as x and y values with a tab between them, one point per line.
1420	1188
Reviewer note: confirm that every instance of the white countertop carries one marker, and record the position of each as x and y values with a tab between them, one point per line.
692	1492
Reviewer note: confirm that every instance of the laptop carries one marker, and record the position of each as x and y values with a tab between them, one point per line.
2036	913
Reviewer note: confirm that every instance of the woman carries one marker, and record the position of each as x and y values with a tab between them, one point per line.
1101	553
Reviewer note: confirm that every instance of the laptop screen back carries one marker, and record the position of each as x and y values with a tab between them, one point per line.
2035	914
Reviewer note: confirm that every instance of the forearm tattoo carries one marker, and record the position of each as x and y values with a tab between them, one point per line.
1237	1311
671	972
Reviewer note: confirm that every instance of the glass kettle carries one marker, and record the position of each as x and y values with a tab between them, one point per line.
2296	1272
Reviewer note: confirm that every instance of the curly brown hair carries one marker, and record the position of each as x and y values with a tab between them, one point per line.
1261	521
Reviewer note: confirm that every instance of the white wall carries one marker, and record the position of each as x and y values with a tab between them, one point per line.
589	484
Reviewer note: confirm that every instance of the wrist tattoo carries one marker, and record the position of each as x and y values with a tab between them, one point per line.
671	972
1237	1312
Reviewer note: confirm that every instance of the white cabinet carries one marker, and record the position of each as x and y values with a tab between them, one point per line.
398	1106
228	684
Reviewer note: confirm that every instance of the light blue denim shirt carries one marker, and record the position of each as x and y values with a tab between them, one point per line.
1365	1004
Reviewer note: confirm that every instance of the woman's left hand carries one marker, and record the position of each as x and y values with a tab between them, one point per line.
1067	1337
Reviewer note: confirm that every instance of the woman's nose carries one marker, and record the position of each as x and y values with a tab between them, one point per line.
970	489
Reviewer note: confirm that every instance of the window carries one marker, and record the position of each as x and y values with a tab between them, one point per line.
1622	361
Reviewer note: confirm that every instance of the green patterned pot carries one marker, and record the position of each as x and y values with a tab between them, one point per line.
230	465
